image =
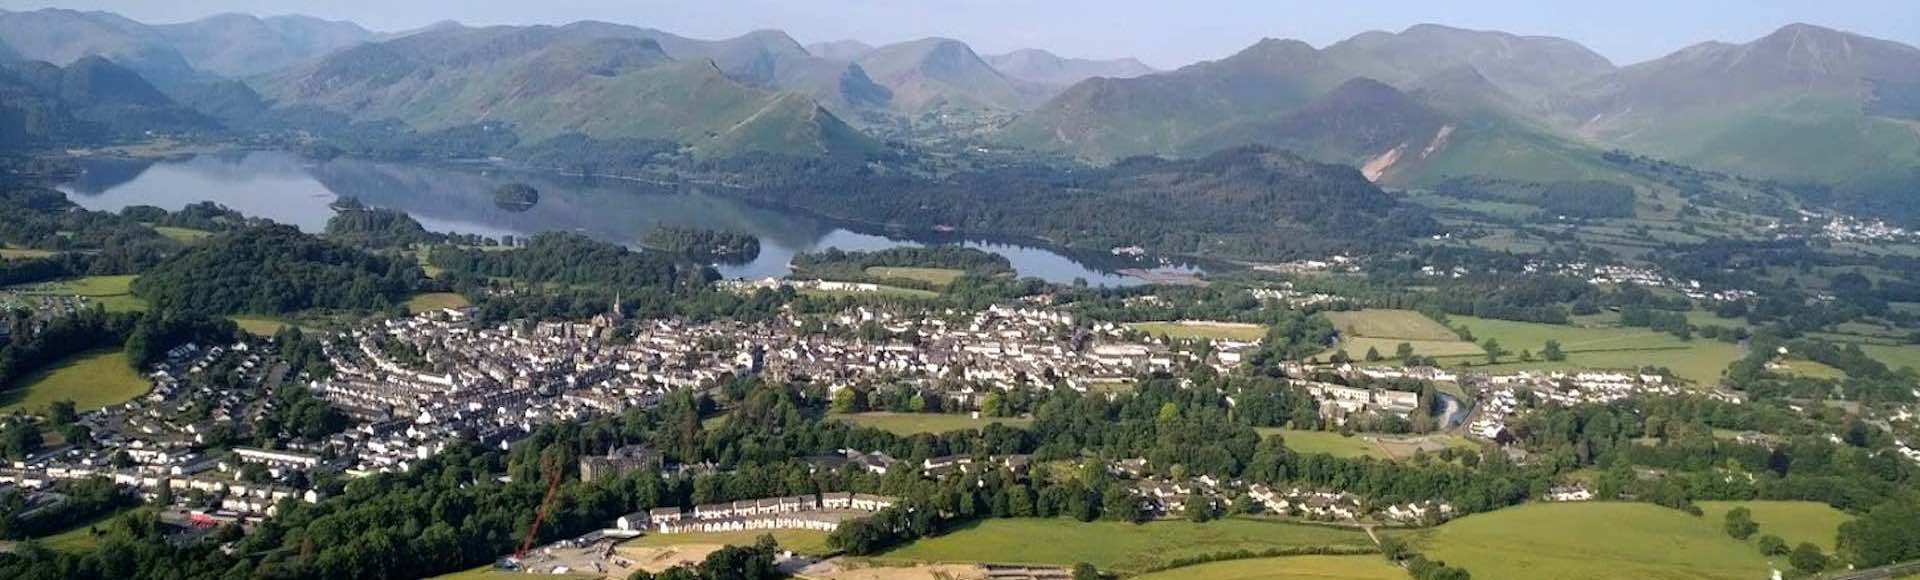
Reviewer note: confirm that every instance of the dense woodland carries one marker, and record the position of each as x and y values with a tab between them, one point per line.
276	269
704	246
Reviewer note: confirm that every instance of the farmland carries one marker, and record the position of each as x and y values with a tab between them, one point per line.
912	423
1699	360
1367	567
1117	546
1616	540
1385	330
91	380
1195	330
1793	521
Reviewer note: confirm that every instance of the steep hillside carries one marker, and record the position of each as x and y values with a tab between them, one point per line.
929	73
238	45
1797	104
89	100
1359	121
63	37
589	79
1039	66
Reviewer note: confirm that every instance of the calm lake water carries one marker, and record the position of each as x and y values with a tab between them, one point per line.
291	190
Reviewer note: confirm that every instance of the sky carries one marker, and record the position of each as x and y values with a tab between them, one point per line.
1163	33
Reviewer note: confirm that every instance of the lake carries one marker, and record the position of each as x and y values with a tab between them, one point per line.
459	199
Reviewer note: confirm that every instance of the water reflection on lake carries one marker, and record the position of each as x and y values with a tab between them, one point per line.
291	190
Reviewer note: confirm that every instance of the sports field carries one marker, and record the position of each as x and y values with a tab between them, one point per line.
1115	546
109	291
800	541
1600	540
1366	567
92	380
1200	329
934	276
912	423
1401	324
436	301
1328	442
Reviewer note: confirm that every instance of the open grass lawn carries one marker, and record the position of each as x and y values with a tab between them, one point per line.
183	235
1196	329
436	301
92	380
1906	355
1356	347
258	326
1580	541
1328	442
78	538
912	423
934	276
110	291
9	253
883	292
801	541
1814	370
1114	546
1700	360
1366	567
1403	324
1793	521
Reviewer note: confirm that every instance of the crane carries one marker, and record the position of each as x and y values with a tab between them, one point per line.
549	469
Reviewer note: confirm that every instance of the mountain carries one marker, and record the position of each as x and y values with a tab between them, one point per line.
63	37
931	73
1039	66
1355	123
239	45
847	50
1801	103
1527	67
1106	118
598	80
90	100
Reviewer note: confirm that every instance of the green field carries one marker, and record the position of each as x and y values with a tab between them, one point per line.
1368	567
92	380
1401	324
1328	442
1115	546
1357	347
488	572
183	235
1580	541
800	541
912	423
1813	370
1896	357
111	292
258	326
78	538
1699	360
436	301
883	292
1793	521
22	254
1194	330
934	276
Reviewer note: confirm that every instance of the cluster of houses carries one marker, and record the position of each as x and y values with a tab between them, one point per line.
819	512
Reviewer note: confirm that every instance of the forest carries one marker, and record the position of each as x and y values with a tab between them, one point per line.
703	246
273	270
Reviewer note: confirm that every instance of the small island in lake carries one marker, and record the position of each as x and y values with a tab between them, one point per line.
704	245
516	197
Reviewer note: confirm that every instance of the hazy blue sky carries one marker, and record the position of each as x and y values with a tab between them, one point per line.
1165	33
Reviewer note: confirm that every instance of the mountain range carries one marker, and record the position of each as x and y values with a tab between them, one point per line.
1415	107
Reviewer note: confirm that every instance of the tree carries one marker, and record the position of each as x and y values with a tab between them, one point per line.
1740	524
1771	545
21	440
1552	351
1085	571
1199	508
1340	357
1806	557
1403	352
1494	352
62	413
1373	354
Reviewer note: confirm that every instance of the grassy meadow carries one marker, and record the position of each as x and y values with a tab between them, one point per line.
914	423
112	292
935	276
1363	567
436	301
1195	330
1116	546
92	380
1600	540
